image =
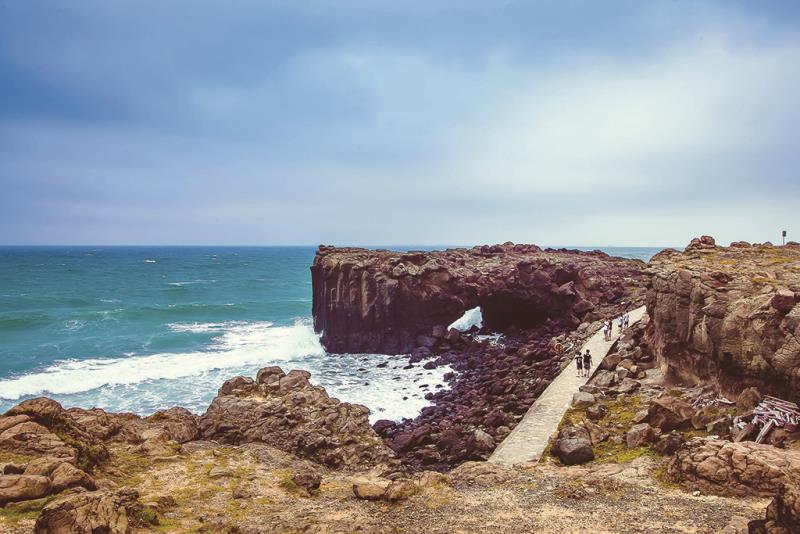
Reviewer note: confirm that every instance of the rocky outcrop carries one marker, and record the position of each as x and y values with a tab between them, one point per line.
89	513
390	302
728	316
289	413
727	468
783	513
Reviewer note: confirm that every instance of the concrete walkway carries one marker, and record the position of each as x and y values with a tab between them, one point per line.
529	439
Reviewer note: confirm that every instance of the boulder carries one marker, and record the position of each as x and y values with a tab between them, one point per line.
596	412
92	512
582	400
14	488
668	444
604	379
370	490
291	414
627	386
308	479
596	432
573	445
669	413
640	434
726	468
480	444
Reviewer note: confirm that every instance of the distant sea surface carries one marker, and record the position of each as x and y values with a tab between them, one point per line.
144	328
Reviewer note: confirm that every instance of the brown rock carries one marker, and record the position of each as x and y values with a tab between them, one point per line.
783	300
640	434
89	513
729	468
293	415
669	413
15	488
747	400
573	445
308	479
372	490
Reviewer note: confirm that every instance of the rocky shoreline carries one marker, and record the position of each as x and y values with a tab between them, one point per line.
649	445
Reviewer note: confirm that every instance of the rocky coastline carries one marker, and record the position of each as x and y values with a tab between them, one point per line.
651	444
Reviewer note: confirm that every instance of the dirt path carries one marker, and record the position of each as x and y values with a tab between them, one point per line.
529	439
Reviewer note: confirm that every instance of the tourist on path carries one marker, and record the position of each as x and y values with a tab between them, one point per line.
587	363
579	363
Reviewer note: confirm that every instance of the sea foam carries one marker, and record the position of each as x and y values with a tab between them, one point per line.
145	383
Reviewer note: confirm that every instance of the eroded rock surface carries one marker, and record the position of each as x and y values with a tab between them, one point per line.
89	513
728	316
289	413
727	468
392	302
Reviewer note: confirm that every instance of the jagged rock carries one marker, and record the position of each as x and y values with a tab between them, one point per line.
596	412
15	488
668	444
720	427
31	438
400	490
308	479
372	490
61	473
582	399
392	302
573	445
627	386
480	444
639	435
291	414
604	379
747	400
85	512
729	468
726	317
669	413
179	424
596	432
783	513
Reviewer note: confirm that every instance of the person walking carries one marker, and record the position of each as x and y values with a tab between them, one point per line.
587	362
579	363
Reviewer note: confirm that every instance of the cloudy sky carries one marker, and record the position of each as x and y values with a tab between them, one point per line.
415	122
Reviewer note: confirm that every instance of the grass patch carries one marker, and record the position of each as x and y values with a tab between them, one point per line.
12	458
13	517
613	453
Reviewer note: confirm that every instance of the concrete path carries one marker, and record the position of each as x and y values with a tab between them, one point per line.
529	439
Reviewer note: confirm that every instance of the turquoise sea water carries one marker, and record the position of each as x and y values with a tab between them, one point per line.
144	328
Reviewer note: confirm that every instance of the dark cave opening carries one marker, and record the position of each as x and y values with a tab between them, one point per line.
505	312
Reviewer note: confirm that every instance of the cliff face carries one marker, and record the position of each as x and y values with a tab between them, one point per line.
728	315
391	302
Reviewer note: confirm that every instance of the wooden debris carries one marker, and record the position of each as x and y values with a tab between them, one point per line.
769	414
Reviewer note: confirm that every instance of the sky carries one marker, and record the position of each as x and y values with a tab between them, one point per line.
245	122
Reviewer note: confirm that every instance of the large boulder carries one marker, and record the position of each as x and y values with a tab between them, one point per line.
82	512
289	413
669	413
573	445
14	488
727	468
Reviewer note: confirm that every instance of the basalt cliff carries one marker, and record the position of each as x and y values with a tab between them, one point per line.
391	302
728	316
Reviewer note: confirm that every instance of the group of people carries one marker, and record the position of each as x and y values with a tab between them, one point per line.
623	321
584	363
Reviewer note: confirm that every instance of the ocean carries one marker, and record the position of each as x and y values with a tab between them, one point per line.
140	329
